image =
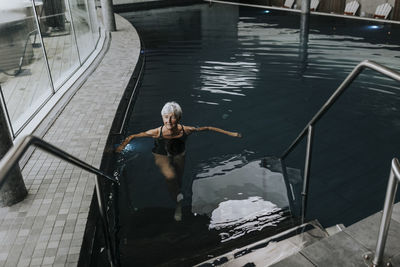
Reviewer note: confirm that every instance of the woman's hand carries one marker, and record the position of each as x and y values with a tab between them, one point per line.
235	134
238	135
123	144
120	148
150	133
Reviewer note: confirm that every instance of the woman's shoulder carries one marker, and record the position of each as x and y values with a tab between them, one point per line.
154	132
188	129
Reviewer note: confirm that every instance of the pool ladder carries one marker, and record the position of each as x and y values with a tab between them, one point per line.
309	132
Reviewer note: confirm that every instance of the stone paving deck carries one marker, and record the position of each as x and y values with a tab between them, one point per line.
47	228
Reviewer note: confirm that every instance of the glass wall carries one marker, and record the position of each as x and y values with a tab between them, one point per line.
58	40
42	43
82	26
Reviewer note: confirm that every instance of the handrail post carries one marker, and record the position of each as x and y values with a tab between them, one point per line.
307	166
387	212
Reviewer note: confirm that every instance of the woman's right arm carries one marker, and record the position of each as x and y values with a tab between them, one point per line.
150	133
210	128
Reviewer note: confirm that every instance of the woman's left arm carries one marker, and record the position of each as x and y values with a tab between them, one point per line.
190	130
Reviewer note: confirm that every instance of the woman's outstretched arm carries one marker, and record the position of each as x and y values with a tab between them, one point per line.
150	133
210	128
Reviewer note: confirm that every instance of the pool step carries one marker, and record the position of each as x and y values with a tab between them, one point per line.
354	246
273	249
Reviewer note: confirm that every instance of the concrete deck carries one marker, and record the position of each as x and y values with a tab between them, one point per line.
348	247
47	228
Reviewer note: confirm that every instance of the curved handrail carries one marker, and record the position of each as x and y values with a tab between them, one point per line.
332	99
17	151
349	79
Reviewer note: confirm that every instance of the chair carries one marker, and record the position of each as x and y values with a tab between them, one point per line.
288	3
313	5
351	8
382	11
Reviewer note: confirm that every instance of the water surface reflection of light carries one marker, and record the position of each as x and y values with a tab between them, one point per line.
227	78
237	217
239	196
375	27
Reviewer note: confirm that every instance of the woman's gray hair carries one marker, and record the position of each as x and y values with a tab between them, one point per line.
172	107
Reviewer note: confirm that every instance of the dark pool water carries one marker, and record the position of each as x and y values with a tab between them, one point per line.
244	69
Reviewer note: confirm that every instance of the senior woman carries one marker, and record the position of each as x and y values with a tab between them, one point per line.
169	148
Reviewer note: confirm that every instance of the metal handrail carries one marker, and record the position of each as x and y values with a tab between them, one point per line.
394	179
308	129
17	151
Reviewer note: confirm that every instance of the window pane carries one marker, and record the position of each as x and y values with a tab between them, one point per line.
58	38
23	74
80	18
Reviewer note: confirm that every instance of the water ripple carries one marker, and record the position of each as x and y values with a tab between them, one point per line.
228	78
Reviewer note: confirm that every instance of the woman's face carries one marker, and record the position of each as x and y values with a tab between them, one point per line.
170	121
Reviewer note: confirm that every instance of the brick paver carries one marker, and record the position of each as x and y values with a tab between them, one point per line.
47	228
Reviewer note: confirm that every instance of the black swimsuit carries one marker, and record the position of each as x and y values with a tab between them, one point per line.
169	147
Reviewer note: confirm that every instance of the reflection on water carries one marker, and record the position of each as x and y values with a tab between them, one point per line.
238	217
221	165
239	196
235	179
228	78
